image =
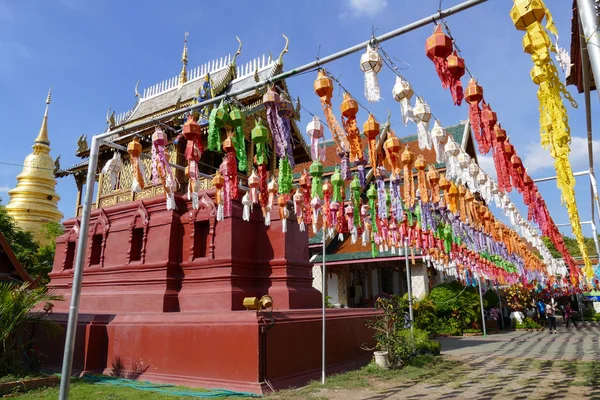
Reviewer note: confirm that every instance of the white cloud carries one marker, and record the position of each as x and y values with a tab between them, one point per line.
369	8
4	189
536	158
486	163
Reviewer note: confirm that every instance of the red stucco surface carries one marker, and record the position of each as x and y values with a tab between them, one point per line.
162	299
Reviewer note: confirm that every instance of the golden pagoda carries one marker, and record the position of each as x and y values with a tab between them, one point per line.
34	201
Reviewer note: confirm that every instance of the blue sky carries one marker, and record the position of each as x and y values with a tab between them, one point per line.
93	53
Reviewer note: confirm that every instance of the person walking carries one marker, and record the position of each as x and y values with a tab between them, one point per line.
541	307
551	314
569	316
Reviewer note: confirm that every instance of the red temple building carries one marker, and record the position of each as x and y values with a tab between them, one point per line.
163	290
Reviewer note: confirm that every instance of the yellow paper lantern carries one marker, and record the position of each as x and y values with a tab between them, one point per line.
526	12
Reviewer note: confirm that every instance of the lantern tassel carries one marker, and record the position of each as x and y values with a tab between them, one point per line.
263	186
220	215
113	167
247	203
456	89
138	175
372	90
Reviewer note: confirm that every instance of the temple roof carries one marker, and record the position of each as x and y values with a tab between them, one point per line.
169	95
10	268
225	77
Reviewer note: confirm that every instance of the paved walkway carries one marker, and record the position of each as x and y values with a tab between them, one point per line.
568	344
513	365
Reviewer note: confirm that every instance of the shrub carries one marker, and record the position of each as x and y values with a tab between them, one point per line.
16	304
412	345
425	314
589	314
386	325
457	307
528	323
490	299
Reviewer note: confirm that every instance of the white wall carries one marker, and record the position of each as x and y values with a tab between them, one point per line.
419	280
317	279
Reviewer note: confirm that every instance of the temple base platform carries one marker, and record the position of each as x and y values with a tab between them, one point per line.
238	350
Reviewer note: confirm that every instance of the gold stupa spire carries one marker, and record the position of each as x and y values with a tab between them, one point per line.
184	61
43	135
34	202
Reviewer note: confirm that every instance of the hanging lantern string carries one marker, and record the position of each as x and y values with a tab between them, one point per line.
28	166
391	65
387	60
456	46
297	99
329	75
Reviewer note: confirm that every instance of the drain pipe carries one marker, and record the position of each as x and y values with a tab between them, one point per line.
265	323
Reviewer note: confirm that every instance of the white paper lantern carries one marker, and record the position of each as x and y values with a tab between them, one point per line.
439	137
422	117
112	169
370	64
403	92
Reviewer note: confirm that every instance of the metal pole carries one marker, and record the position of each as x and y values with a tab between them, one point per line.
595	192
65	379
588	125
324	276
588	18
500	304
306	67
551	178
481	302
409	287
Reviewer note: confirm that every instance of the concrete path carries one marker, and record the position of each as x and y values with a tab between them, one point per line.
514	365
568	344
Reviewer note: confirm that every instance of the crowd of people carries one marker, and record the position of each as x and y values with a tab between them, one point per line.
543	310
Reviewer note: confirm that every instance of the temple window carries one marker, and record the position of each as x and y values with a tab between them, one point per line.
96	249
137	241
70	255
201	232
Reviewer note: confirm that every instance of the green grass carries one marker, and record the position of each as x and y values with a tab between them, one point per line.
423	368
84	390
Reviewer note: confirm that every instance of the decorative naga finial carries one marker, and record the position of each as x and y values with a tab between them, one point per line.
82	144
57	164
238	52
137	94
297	109
285	50
110	118
184	61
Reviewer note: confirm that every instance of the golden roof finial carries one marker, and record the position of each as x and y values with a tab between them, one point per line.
42	137
184	61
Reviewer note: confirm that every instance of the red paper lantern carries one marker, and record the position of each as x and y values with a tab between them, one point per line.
439	44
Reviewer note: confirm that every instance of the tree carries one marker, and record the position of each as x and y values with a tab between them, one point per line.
17	302
36	259
572	246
